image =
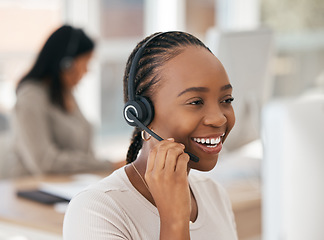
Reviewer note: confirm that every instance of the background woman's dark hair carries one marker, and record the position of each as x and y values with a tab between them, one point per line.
47	66
157	52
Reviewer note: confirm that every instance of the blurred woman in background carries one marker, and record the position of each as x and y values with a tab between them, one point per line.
51	133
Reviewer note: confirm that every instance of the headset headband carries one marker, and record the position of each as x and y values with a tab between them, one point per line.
132	71
73	43
71	48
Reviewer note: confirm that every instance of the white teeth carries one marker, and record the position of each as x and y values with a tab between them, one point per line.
211	146
212	141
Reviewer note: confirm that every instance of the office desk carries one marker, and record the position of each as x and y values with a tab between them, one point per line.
245	198
25	212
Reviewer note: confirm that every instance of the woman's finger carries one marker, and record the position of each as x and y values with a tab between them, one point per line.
161	153
157	156
182	163
162	149
172	157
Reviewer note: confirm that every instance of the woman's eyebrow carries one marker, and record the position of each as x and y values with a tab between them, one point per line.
203	89
225	87
194	89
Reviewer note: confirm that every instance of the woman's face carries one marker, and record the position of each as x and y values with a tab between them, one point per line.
74	74
193	105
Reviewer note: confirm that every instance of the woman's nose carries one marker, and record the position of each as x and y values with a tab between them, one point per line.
215	117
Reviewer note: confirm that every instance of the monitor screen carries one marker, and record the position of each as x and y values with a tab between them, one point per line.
293	169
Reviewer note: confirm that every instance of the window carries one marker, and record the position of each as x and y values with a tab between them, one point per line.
121	27
22	35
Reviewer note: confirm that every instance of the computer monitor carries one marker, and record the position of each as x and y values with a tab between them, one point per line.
293	169
246	57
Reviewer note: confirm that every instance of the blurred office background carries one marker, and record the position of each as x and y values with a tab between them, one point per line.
293	62
117	25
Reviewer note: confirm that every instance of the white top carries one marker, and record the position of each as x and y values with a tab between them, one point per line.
48	139
114	209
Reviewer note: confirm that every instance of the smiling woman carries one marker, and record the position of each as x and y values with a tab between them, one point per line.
183	94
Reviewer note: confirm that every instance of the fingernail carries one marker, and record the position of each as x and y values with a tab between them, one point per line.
171	139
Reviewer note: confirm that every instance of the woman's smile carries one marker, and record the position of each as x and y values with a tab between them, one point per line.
210	145
207	147
210	149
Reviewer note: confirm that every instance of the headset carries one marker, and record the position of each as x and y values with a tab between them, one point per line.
71	49
139	110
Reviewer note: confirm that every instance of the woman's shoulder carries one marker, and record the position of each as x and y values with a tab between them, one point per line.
99	205
100	196
104	188
113	182
32	90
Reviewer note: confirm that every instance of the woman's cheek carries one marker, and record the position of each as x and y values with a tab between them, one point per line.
184	125
231	119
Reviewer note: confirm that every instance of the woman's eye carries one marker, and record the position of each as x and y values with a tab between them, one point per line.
196	102
228	100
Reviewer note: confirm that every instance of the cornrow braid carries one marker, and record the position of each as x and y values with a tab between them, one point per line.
135	146
147	78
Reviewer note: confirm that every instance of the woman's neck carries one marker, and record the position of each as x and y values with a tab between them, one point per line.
69	101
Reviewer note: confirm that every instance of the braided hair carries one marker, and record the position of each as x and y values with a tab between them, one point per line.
147	78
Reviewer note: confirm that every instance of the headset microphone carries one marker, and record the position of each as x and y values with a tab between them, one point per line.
139	110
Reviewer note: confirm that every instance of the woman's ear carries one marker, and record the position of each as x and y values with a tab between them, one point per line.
66	63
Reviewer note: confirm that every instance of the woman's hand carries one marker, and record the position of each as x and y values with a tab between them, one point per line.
166	176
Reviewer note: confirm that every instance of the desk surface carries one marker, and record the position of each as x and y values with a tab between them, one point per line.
245	199
28	213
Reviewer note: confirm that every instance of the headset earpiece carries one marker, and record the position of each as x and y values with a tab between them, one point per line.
66	63
71	49
142	109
